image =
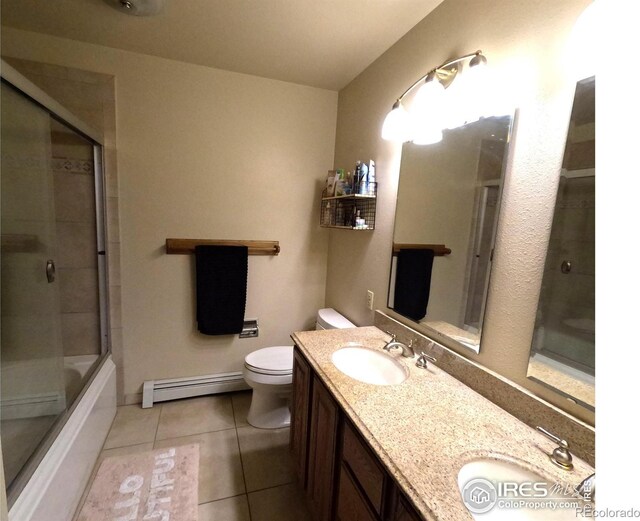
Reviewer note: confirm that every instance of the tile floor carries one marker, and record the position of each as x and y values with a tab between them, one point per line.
245	473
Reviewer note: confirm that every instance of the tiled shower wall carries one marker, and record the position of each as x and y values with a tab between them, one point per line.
570	298
91	97
77	270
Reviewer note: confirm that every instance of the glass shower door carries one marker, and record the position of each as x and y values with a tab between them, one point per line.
32	373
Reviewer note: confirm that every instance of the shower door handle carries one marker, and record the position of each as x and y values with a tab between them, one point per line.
51	271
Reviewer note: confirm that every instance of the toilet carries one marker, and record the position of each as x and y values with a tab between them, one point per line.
269	372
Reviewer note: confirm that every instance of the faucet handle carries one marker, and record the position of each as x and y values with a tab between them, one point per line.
423	360
560	455
393	336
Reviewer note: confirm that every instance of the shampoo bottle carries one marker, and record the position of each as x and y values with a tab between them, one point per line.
364	180
371	186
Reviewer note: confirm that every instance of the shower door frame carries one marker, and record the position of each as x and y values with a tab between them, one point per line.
16	81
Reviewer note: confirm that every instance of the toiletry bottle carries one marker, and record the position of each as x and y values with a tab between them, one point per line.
340	214
326	216
364	180
356	178
371	180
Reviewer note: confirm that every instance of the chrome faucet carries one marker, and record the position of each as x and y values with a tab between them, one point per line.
407	350
423	360
560	455
587	488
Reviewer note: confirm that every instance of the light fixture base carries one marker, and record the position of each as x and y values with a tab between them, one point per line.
137	7
447	74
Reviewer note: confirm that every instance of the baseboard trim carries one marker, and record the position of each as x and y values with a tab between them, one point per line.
175	388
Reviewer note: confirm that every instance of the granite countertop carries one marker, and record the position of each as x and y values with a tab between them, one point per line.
426	428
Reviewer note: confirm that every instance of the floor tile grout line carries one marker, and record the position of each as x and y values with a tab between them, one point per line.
222	499
244	479
192	435
155	436
272	486
226	428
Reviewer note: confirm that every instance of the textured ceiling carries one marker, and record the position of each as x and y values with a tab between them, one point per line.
322	43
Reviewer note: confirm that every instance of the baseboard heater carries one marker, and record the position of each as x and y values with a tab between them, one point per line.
176	388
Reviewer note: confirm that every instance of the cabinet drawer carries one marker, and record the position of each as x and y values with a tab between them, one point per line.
351	505
366	470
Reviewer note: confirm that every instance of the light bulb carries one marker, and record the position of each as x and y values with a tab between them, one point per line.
427	111
428	100
427	136
477	95
456	103
396	126
470	96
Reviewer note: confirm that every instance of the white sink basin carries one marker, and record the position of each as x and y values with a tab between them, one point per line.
369	366
481	484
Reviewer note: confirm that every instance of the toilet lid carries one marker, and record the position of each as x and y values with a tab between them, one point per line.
271	360
329	318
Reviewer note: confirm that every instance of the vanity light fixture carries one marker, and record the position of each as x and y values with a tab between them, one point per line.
433	108
137	7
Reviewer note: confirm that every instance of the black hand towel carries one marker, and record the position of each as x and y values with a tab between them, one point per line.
221	288
413	282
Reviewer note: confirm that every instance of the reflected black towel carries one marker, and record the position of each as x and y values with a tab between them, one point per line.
221	289
413	282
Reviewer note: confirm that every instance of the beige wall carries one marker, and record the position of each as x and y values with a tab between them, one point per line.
520	37
204	153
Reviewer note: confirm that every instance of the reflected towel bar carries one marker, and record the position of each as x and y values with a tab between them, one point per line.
187	246
438	249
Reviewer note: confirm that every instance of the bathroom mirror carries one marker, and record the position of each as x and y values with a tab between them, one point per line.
563	346
448	203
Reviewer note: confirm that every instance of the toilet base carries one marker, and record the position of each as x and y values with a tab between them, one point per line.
269	410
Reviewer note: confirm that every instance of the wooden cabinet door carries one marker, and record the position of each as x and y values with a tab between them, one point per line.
403	510
351	505
298	441
322	452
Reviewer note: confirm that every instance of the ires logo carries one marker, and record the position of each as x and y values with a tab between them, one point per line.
481	496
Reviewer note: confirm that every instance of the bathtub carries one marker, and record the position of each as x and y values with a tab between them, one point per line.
76	372
56	486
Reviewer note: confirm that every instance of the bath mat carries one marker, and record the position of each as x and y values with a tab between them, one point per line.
159	485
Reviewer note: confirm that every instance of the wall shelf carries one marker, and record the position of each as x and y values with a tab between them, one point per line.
340	211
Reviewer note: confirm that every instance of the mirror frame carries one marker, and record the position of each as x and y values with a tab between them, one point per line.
505	172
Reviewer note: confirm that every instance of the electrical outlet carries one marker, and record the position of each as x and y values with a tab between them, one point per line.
370	299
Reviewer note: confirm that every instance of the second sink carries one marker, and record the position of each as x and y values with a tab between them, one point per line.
553	505
369	366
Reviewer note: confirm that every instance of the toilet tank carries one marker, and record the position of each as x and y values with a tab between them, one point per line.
329	318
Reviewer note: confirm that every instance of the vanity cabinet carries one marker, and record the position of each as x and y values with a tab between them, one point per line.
342	477
323	429
298	440
402	510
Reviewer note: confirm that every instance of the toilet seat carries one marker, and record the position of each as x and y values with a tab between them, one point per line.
271	361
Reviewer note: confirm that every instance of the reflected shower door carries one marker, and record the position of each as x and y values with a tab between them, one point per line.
565	323
32	385
485	225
